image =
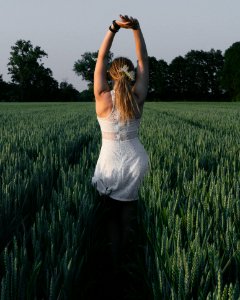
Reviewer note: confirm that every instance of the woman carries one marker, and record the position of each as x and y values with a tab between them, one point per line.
123	161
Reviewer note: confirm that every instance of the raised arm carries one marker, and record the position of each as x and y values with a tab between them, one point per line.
140	87
100	79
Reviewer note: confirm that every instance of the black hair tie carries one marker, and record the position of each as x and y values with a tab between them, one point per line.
114	31
115	25
115	28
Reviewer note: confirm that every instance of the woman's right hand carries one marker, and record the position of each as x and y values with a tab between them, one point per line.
127	23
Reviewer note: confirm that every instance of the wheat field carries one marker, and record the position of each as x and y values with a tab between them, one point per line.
189	205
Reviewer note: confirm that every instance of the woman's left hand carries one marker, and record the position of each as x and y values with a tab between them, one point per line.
126	22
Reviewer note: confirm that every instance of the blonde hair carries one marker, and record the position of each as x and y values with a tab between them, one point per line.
124	100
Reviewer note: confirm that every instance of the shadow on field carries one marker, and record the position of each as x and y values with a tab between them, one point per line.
124	275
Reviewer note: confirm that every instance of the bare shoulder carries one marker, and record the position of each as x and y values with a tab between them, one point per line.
103	104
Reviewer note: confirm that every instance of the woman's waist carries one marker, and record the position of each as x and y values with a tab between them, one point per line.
119	136
122	148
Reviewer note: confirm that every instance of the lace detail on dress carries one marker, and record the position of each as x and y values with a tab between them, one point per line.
122	136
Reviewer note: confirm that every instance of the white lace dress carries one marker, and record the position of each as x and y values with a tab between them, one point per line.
122	161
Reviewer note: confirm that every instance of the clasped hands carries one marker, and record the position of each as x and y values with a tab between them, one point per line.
127	22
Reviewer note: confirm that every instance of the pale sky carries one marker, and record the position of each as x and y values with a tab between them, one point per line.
67	29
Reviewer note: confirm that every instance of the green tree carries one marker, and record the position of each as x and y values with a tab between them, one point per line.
28	72
6	90
68	92
86	96
2	87
215	62
158	78
231	71
196	75
85	66
177	78
202	73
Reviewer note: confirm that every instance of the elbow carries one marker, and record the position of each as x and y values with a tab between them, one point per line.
98	93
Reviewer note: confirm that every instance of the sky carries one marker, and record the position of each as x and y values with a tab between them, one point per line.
67	29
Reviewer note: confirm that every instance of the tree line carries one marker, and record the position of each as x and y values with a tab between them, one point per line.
197	76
